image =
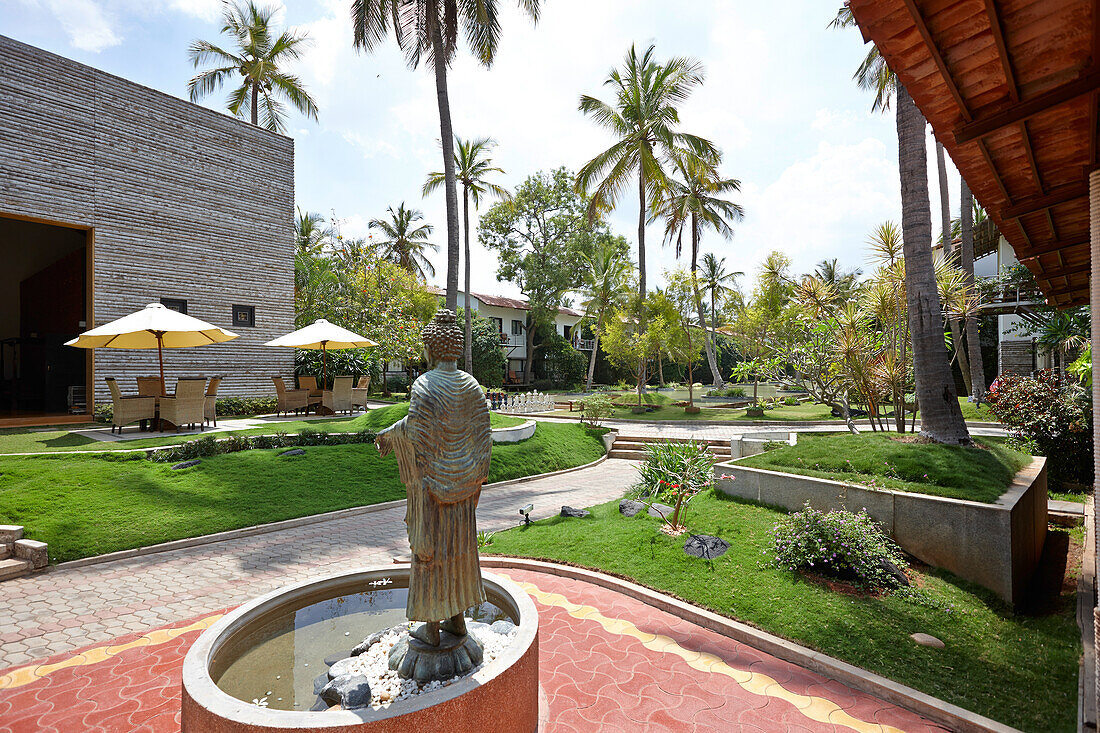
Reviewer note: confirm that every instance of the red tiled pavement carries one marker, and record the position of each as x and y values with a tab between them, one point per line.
594	680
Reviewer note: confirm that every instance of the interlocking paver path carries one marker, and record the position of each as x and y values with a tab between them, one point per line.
67	608
607	662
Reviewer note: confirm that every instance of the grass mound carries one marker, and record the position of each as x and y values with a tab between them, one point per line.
1018	669
884	461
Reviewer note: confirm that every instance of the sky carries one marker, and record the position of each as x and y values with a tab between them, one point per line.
818	168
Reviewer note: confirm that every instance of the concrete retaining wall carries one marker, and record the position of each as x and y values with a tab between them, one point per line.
750	444
995	545
516	433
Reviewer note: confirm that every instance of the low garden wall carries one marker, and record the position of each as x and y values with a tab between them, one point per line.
516	433
995	545
751	444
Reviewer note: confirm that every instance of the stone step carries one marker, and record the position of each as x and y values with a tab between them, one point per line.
11	532
629	454
14	568
6	550
655	439
720	451
641	445
33	551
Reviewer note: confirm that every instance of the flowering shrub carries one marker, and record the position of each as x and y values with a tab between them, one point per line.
1049	416
596	409
837	543
674	473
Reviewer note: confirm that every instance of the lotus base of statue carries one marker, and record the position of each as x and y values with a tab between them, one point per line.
413	657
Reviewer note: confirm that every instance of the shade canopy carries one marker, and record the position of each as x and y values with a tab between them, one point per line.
151	327
322	335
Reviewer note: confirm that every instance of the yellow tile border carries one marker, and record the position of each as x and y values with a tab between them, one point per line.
815	708
25	675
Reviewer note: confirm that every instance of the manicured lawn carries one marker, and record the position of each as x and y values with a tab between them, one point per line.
86	505
24	440
1017	669
977	474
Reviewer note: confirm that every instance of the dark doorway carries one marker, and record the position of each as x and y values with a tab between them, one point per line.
43	303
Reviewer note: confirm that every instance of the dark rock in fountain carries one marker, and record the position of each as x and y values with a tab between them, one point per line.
332	659
350	691
568	511
629	507
414	658
363	646
706	546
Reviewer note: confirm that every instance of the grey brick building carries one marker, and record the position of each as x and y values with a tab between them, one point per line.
114	195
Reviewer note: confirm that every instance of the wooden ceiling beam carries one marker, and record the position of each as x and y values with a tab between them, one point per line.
1028	108
1031	253
1056	196
934	50
1064	272
1002	49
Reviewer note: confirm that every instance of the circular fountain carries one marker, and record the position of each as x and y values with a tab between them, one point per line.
261	666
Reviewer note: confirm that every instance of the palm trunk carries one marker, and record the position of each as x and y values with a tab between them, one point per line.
255	103
941	417
641	275
447	137
949	249
708	338
529	362
468	338
966	261
592	359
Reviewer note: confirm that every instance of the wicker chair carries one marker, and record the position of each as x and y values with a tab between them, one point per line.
338	399
359	393
126	410
287	400
310	384
149	387
187	406
210	409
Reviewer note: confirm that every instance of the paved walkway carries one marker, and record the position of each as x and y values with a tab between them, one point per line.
63	609
607	663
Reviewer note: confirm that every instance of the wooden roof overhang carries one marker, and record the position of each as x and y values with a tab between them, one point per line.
1010	89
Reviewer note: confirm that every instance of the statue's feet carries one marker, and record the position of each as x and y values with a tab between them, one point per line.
414	657
455	625
426	632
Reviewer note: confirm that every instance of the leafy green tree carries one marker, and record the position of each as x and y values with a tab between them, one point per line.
429	29
489	363
627	344
406	242
606	273
643	118
685	339
258	59
472	166
539	235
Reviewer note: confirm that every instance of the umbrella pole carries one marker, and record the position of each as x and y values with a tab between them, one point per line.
324	364
160	358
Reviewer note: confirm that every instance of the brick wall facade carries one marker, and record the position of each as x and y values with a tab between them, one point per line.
184	202
1015	357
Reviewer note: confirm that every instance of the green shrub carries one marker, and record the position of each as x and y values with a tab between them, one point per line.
674	473
790	400
210	446
596	409
246	405
838	543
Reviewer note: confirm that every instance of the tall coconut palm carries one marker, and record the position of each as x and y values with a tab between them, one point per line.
643	117
696	201
257	59
472	165
949	249
966	262
310	232
606	274
718	283
842	283
429	29
406	242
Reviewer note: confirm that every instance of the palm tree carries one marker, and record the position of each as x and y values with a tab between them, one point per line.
257	59
697	201
310	233
472	165
606	274
842	283
643	117
948	240
429	28
966	262
406	243
717	282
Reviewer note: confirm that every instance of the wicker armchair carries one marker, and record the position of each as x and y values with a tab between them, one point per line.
338	399
149	387
187	406
126	410
310	385
210	409
359	393
289	399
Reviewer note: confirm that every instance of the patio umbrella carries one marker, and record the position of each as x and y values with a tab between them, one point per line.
324	336
153	327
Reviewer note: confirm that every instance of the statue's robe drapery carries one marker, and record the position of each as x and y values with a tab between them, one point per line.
443	448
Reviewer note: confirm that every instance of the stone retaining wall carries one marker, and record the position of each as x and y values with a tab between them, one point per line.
516	433
995	545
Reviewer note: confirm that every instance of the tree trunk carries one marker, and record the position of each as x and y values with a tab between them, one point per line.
255	103
941	417
660	371
708	337
966	261
949	249
592	359
529	362
641	275
469	352
448	139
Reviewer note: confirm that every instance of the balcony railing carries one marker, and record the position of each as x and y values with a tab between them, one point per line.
584	344
512	340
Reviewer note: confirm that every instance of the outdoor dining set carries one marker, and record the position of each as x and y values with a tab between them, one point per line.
193	403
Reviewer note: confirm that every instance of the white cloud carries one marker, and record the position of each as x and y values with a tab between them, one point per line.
829	119
201	9
86	23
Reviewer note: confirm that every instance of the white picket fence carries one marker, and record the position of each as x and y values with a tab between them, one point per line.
526	403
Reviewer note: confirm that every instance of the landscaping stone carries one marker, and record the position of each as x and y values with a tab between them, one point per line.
568	511
341	668
706	546
33	551
629	507
927	640
661	511
367	643
293	452
351	692
893	571
186	464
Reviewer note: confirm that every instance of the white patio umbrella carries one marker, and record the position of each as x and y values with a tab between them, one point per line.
323	335
152	327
